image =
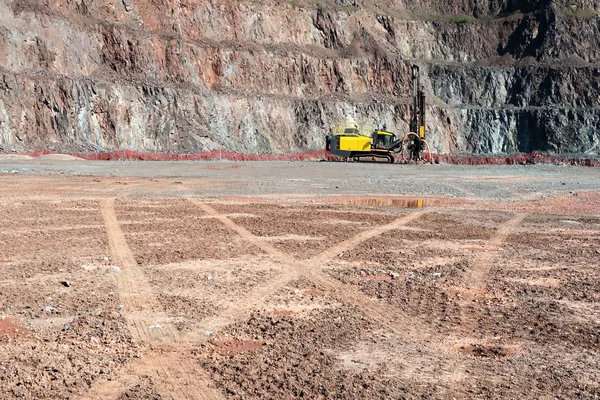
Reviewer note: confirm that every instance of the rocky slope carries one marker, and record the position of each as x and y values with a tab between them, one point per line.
272	76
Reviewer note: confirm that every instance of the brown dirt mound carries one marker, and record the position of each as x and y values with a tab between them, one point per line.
232	347
313	292
88	349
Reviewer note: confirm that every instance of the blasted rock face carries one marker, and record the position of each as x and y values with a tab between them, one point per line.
270	76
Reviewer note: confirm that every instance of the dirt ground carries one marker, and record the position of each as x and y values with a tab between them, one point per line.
298	280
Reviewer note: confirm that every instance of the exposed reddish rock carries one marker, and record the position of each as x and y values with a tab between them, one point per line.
272	77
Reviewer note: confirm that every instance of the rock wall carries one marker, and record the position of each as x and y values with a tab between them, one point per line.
273	76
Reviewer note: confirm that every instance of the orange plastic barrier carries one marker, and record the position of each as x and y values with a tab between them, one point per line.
523	158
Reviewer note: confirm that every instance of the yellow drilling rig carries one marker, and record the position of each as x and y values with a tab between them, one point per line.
360	141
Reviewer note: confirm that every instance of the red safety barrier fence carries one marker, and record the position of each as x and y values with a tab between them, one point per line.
522	158
207	155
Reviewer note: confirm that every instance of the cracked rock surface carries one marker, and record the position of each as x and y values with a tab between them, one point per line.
273	76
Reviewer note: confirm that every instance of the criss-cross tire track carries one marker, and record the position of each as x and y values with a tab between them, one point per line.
476	279
177	377
167	369
134	290
361	237
312	270
246	234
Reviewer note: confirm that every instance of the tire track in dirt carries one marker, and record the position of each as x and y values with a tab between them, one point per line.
386	315
176	376
179	378
475	282
311	270
348	244
258	296
409	328
246	234
111	390
483	262
135	292
254	299
382	313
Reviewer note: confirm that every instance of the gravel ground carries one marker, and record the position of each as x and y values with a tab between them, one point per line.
268	280
330	178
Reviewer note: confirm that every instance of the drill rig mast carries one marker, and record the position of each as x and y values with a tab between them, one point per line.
414	146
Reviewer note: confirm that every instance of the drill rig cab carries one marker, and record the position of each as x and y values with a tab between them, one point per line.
383	139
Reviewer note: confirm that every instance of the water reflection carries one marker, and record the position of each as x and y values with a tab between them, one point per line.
395	203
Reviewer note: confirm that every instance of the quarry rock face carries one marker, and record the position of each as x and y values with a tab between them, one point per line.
273	76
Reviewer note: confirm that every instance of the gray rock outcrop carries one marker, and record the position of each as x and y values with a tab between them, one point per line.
273	76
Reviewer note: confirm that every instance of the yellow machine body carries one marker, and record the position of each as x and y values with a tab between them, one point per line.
353	136
355	143
359	139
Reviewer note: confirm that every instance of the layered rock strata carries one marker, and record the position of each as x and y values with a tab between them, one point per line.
273	76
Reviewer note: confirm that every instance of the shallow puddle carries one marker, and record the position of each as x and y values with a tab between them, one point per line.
396	203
